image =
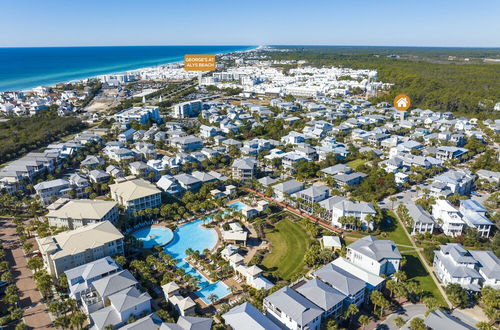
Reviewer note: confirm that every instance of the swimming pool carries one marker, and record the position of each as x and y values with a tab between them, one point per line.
193	235
154	236
238	206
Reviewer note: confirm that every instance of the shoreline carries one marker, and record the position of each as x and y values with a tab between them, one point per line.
172	61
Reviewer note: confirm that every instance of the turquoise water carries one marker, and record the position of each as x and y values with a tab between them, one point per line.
153	236
29	67
193	235
237	205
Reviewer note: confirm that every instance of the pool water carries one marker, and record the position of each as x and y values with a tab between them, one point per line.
238	206
154	236
193	235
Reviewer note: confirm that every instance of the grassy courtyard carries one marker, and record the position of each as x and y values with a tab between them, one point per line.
289	241
355	163
416	271
394	231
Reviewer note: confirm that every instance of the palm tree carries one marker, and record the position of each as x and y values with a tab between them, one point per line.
213	298
351	311
62	322
189	252
399	321
77	320
364	320
393	200
391	286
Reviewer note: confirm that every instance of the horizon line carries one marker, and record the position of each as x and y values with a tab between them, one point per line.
269	45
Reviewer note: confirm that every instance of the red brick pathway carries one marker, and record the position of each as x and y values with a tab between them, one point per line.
298	212
35	315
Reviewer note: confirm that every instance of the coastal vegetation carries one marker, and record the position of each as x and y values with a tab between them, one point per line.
425	74
21	135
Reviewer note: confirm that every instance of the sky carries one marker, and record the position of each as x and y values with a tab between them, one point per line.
440	23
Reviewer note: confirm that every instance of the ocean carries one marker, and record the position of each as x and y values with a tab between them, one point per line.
25	68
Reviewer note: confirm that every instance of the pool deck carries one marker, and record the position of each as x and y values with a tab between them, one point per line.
202	273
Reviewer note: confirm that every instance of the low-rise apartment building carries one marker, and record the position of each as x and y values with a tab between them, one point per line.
135	194
80	246
77	213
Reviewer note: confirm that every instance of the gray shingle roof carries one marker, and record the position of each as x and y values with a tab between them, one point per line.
340	279
128	298
113	283
321	294
247	317
418	214
298	308
375	248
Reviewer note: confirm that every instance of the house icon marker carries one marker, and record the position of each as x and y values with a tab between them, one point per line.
402	102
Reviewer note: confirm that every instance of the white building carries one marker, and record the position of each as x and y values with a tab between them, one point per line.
379	257
448	217
187	109
140	114
454	264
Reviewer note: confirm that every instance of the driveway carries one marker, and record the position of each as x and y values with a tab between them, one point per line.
35	312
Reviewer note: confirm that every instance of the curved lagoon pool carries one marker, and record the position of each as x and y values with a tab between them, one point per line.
154	236
193	235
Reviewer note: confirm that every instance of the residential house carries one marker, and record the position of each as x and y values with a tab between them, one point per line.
98	176
244	168
379	257
169	185
291	310
474	215
341	280
287	188
80	278
330	300
422	221
51	190
446	153
456	181
448	218
187	143
338	206
247	317
438	319
454	264
188	182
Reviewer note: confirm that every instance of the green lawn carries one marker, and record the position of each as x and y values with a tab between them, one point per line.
289	241
394	231
416	271
355	163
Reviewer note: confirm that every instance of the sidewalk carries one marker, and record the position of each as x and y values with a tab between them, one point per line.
424	262
35	315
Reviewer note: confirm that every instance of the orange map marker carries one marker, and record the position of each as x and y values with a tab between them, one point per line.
402	102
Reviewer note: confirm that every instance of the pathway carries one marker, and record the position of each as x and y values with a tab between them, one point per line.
35	315
424	262
297	212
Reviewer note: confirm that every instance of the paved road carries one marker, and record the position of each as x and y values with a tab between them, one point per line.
35	315
407	312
